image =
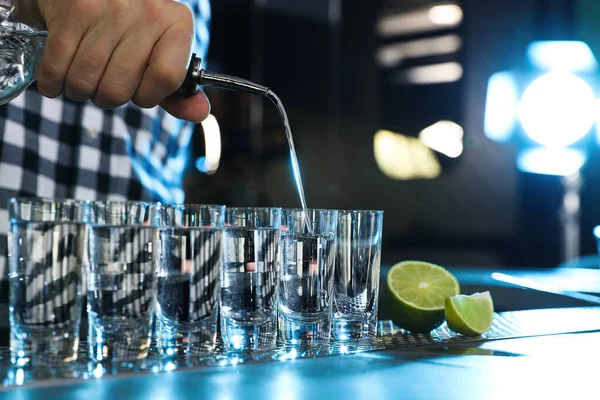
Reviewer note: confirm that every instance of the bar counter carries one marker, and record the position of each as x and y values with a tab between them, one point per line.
541	353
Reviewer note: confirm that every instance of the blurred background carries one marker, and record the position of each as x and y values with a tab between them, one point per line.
471	123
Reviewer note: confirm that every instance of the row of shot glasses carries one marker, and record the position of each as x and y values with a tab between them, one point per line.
184	274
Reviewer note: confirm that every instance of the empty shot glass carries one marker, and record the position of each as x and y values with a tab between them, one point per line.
45	251
306	280
189	262
356	277
249	278
120	280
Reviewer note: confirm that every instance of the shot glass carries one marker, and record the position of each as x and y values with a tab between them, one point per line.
306	280
356	276
249	278
46	247
189	261
120	280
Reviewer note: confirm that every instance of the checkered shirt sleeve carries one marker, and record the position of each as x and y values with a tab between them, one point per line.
56	148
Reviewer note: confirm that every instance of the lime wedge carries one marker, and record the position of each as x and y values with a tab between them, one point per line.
416	294
470	315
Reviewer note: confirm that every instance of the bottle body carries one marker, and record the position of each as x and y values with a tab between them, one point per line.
21	50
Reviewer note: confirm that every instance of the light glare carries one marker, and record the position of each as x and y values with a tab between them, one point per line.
212	143
402	158
424	19
431	74
501	105
564	55
557	109
551	161
392	55
445	137
446	15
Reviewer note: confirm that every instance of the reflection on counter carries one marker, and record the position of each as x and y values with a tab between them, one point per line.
506	325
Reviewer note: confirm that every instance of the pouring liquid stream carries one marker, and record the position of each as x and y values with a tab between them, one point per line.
294	158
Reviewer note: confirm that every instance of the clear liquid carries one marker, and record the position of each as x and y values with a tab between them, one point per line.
120	291
307	268
45	291
188	278
294	158
249	275
45	278
21	51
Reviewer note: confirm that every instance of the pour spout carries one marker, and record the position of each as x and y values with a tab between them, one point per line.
197	76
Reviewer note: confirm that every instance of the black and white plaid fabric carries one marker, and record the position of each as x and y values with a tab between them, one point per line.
56	148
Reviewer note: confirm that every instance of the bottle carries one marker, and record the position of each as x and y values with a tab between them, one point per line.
21	50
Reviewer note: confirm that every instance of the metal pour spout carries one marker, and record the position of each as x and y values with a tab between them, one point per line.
196	76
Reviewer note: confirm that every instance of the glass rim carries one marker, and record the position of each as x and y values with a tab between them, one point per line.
45	200
309	210
195	205
188	206
253	208
117	202
377	212
54	207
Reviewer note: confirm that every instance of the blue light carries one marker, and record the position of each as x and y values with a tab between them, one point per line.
559	161
169	366
98	371
20	377
501	106
200	164
557	109
597	231
565	55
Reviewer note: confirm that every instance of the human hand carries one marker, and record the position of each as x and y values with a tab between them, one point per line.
114	51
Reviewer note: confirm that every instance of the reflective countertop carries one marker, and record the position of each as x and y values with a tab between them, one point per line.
541	353
560	366
545	362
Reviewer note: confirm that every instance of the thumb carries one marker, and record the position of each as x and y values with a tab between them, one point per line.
193	109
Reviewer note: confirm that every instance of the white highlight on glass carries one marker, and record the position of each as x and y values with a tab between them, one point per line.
426	19
573	56
212	143
557	109
445	137
551	161
392	55
501	104
430	74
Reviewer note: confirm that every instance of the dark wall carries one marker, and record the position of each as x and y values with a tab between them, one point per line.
480	211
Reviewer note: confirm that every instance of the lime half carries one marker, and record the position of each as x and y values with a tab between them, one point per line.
470	315
416	294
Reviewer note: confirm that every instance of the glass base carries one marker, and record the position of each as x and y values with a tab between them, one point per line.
249	337
176	339
303	331
350	330
56	347
118	341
